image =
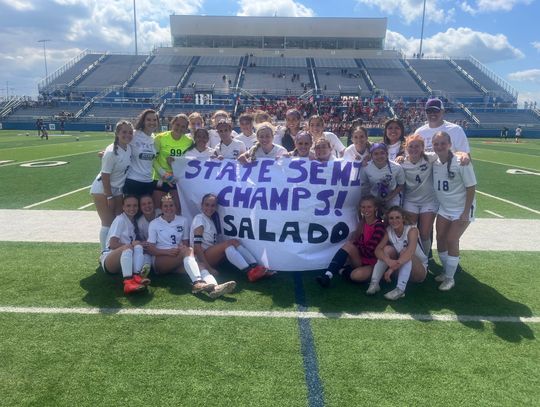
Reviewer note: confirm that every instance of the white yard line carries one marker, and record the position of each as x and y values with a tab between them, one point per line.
494	214
56	197
49	158
509	202
506	165
92	203
388	316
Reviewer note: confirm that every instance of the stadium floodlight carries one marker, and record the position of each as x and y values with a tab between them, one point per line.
44	42
422	32
135	25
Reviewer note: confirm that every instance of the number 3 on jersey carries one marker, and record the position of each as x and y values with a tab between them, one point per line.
444	184
173	239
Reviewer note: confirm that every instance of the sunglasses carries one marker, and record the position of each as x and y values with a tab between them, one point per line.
432	110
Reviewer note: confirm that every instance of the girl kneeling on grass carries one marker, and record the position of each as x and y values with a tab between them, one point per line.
360	250
124	254
400	249
210	253
168	236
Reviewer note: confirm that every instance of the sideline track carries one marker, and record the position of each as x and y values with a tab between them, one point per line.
19	225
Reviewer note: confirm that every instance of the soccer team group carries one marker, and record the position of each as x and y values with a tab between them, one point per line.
407	185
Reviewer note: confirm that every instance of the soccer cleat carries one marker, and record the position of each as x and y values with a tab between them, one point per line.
145	271
395	294
440	277
323	280
200	286
131	286
256	273
141	280
447	284
373	289
222	289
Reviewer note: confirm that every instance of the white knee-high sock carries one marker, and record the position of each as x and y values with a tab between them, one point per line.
451	266
103	232
246	254
208	278
236	258
138	259
378	271
443	256
126	263
426	246
192	268
147	259
404	274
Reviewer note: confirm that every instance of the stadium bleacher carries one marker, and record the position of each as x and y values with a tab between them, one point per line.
113	70
72	72
163	71
391	75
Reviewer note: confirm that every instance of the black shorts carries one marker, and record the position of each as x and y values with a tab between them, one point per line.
138	188
163	186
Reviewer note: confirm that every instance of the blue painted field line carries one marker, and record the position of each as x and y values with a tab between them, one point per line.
309	355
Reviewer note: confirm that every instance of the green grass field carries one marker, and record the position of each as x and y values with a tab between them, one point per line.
142	351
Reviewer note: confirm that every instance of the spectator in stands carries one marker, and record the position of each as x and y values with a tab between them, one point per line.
247	136
394	138
199	149
435	112
316	129
228	147
286	138
359	149
139	176
169	145
264	147
106	189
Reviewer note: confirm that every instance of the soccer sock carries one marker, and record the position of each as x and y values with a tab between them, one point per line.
443	256
147	259
426	246
346	273
451	266
208	278
126	263
378	271
236	258
103	232
192	268
246	254
138	259
338	261
404	274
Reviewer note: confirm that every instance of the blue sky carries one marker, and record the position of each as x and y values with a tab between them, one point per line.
503	34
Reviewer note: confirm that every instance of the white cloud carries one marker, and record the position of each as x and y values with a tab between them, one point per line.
488	6
280	8
19	5
529	75
536	44
459	42
411	10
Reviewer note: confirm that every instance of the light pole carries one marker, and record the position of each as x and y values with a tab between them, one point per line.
44	42
135	25
422	33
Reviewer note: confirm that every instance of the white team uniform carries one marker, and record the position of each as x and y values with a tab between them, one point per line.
351	154
335	143
419	195
457	135
214	139
142	225
167	235
209	230
117	166
450	189
121	228
247	140
200	155
400	243
276	152
379	182
393	150
232	151
143	153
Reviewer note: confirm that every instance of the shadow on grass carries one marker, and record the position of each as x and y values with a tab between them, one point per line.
469	297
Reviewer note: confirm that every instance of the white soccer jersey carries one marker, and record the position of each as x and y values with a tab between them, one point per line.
419	180
276	152
232	151
247	140
214	139
209	230
450	187
393	150
142	225
143	153
352	154
400	243
200	155
116	165
167	235
123	229
379	182
457	135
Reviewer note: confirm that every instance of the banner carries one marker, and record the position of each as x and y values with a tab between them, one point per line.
292	214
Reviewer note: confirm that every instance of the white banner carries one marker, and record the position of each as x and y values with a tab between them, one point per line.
292	214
